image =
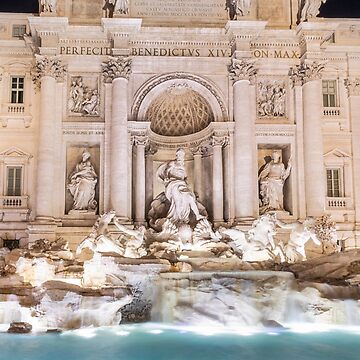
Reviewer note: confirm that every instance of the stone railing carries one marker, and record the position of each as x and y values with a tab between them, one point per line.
332	112
338	203
13	202
16	109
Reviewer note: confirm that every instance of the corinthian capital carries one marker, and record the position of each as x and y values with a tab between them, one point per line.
353	86
301	74
243	69
47	66
116	67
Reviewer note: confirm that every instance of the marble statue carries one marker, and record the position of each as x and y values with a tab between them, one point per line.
109	8
271	99
258	243
178	203
311	9
82	182
271	181
130	244
121	7
237	8
47	6
82	99
301	233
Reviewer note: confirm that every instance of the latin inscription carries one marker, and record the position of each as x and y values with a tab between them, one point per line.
179	8
181	52
84	50
276	54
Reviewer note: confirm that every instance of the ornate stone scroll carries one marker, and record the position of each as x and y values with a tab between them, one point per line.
243	69
271	98
353	86
47	66
301	74
116	67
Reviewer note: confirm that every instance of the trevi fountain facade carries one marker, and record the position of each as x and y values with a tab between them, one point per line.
187	162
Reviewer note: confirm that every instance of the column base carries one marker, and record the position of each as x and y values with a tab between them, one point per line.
246	221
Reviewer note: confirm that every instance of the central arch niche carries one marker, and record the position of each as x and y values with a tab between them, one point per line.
179	111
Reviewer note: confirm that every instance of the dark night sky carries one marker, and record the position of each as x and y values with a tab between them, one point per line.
332	8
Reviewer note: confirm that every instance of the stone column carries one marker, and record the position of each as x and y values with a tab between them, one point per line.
218	180
197	154
310	75
150	151
140	143
117	71
46	73
353	87
242	73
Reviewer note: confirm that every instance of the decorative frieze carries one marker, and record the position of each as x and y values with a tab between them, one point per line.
116	67
84	96
301	74
243	69
47	66
271	98
353	86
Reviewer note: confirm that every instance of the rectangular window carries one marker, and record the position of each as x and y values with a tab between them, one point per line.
333	183
14	175
329	93
17	90
18	31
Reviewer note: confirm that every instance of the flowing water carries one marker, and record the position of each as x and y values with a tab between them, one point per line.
158	342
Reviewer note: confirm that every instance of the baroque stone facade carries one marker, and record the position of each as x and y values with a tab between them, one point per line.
125	92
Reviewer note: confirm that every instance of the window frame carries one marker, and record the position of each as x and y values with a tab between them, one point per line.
21	185
330	192
18	90
20	33
327	95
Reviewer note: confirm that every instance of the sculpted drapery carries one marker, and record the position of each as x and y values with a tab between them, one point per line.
82	182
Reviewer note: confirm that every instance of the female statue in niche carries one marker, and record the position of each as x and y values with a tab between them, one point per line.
82	182
272	179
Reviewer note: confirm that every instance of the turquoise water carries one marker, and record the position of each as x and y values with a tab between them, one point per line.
159	343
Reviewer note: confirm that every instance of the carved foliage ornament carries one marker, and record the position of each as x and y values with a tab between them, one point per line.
116	67
353	86
46	66
242	70
301	74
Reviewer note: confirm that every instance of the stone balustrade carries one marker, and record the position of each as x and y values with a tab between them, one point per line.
13	202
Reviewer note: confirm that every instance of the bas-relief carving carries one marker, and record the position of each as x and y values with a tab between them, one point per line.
300	74
353	86
83	98
48	6
243	69
116	67
310	8
47	66
81	184
271	99
271	183
237	8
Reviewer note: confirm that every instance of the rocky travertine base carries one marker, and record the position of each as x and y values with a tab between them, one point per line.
50	290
